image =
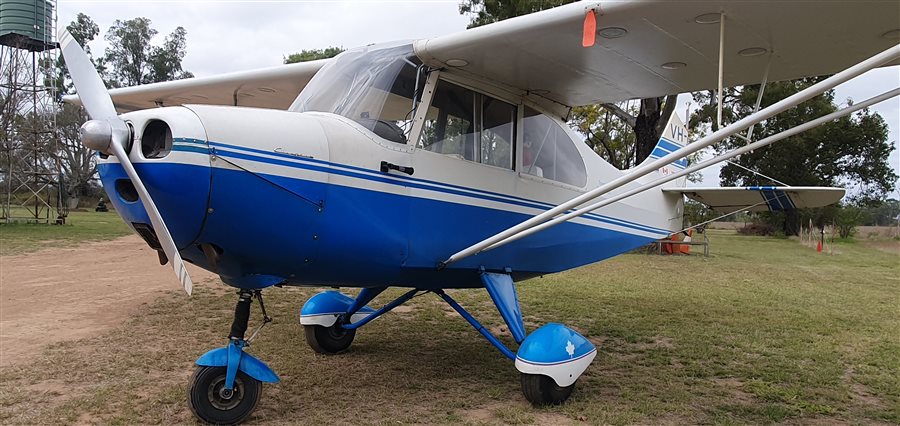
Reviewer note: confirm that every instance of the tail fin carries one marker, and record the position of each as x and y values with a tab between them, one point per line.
674	137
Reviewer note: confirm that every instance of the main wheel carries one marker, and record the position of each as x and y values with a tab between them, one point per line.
212	403
542	390
329	340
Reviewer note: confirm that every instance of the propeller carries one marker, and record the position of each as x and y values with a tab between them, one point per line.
109	134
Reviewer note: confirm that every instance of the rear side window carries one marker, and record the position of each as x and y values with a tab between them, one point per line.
549	152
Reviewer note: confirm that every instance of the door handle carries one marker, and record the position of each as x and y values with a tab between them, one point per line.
387	167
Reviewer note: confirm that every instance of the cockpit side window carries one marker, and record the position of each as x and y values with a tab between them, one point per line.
549	152
468	125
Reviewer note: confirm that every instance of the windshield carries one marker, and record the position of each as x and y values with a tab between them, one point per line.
373	85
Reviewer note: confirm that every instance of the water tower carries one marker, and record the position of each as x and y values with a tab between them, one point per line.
29	165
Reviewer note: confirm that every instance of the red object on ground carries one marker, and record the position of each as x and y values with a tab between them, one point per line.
686	248
819	246
590	29
672	248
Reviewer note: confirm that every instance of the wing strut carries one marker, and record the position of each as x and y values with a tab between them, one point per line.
759	144
882	58
759	97
720	94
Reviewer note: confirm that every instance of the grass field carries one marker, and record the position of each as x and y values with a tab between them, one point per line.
19	238
763	331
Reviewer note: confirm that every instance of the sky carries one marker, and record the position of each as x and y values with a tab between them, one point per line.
227	35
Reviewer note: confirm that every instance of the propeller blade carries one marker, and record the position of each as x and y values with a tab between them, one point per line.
90	87
108	133
162	232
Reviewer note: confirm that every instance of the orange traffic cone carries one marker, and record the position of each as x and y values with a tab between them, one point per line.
819	246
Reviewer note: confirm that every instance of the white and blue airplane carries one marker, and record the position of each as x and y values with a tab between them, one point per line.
447	163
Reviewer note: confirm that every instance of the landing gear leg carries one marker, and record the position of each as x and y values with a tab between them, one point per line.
227	384
550	359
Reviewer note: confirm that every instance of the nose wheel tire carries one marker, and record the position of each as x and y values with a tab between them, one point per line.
329	340
212	403
541	390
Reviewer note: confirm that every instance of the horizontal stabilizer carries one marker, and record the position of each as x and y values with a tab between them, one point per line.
762	198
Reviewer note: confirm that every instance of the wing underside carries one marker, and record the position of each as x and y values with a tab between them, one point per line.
762	198
655	48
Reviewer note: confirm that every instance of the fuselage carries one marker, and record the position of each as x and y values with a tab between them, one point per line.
265	197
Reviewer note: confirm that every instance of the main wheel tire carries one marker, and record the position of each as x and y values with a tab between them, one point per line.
208	404
329	340
542	390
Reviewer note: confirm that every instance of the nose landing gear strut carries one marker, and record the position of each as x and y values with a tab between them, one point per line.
227	384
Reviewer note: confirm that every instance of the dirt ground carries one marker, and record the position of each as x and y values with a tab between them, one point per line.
71	293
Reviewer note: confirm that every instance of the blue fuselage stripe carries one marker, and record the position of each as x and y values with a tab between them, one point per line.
361	173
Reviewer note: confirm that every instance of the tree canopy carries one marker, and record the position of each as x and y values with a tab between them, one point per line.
312	55
132	60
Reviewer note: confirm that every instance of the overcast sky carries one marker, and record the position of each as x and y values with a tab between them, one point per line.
225	36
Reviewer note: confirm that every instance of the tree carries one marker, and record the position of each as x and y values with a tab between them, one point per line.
696	213
847	218
313	54
483	12
75	159
133	60
165	60
606	134
647	123
851	151
84	30
885	214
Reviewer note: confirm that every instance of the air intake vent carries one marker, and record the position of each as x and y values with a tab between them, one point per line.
126	190
156	141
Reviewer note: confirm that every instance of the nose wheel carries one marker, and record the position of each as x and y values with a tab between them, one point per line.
227	384
212	402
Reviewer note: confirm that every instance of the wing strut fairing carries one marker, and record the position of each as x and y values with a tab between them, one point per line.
889	55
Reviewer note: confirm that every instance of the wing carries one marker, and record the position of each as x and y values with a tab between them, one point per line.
654	48
274	87
763	198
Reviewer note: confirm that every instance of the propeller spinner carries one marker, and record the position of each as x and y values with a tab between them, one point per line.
108	133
